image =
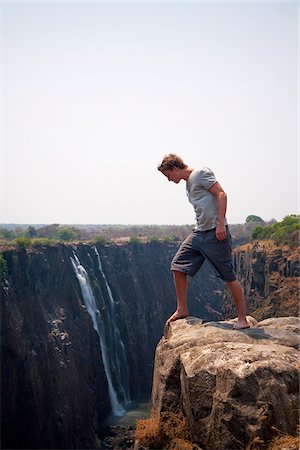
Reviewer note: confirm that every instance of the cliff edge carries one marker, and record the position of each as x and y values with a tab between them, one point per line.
220	388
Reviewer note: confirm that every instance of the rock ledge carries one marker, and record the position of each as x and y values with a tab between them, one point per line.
231	386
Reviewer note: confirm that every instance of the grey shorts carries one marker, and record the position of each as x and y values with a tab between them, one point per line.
203	245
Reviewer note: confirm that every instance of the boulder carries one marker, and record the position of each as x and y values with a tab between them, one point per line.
231	386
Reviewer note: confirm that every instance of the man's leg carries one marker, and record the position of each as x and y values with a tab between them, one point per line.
181	285
239	299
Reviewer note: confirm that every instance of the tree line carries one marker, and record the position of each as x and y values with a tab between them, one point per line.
254	228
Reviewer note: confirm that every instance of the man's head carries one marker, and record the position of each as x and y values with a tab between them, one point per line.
172	166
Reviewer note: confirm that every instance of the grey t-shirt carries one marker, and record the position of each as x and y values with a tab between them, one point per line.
204	203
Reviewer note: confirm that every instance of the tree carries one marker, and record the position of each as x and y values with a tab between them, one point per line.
48	231
284	232
5	233
31	231
256	219
65	234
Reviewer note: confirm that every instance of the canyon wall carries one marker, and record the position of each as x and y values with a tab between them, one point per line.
54	388
57	374
269	275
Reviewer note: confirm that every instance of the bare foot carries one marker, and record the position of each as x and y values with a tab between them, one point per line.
178	314
241	325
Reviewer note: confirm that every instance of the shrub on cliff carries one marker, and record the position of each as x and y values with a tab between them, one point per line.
170	238
135	240
22	243
3	266
42	242
284	232
153	239
100	239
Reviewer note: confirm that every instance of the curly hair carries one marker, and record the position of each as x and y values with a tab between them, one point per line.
170	161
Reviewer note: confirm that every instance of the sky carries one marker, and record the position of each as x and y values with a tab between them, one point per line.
95	94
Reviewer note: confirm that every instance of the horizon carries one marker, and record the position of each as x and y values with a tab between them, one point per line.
127	224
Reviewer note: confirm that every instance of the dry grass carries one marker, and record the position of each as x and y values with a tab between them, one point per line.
256	444
280	442
181	444
171	432
175	426
168	431
285	442
147	432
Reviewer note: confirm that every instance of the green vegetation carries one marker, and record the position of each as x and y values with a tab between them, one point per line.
100	239
169	238
255	219
7	234
135	240
3	266
284	232
48	231
22	243
24	236
153	239
41	242
66	234
31	231
96	233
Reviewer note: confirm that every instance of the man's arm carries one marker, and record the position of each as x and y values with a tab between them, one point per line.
221	196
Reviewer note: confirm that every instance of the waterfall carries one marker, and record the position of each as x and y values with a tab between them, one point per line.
117	348
91	306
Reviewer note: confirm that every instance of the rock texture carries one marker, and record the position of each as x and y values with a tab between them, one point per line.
270	277
231	386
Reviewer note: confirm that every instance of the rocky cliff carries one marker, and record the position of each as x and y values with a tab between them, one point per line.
79	326
270	277
80	323
217	388
54	388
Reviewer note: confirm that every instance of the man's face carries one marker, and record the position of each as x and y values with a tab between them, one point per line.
173	175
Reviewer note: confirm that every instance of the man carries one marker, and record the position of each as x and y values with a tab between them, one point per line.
210	240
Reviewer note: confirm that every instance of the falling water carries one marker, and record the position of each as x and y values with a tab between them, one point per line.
116	342
90	303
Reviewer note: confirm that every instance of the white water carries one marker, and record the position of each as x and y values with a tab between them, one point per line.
90	303
115	339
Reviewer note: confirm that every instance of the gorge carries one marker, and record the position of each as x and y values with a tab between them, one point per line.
79	326
79	335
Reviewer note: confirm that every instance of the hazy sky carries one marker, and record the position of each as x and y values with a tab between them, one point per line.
94	94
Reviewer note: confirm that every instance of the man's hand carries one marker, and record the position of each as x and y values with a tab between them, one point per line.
221	232
221	196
